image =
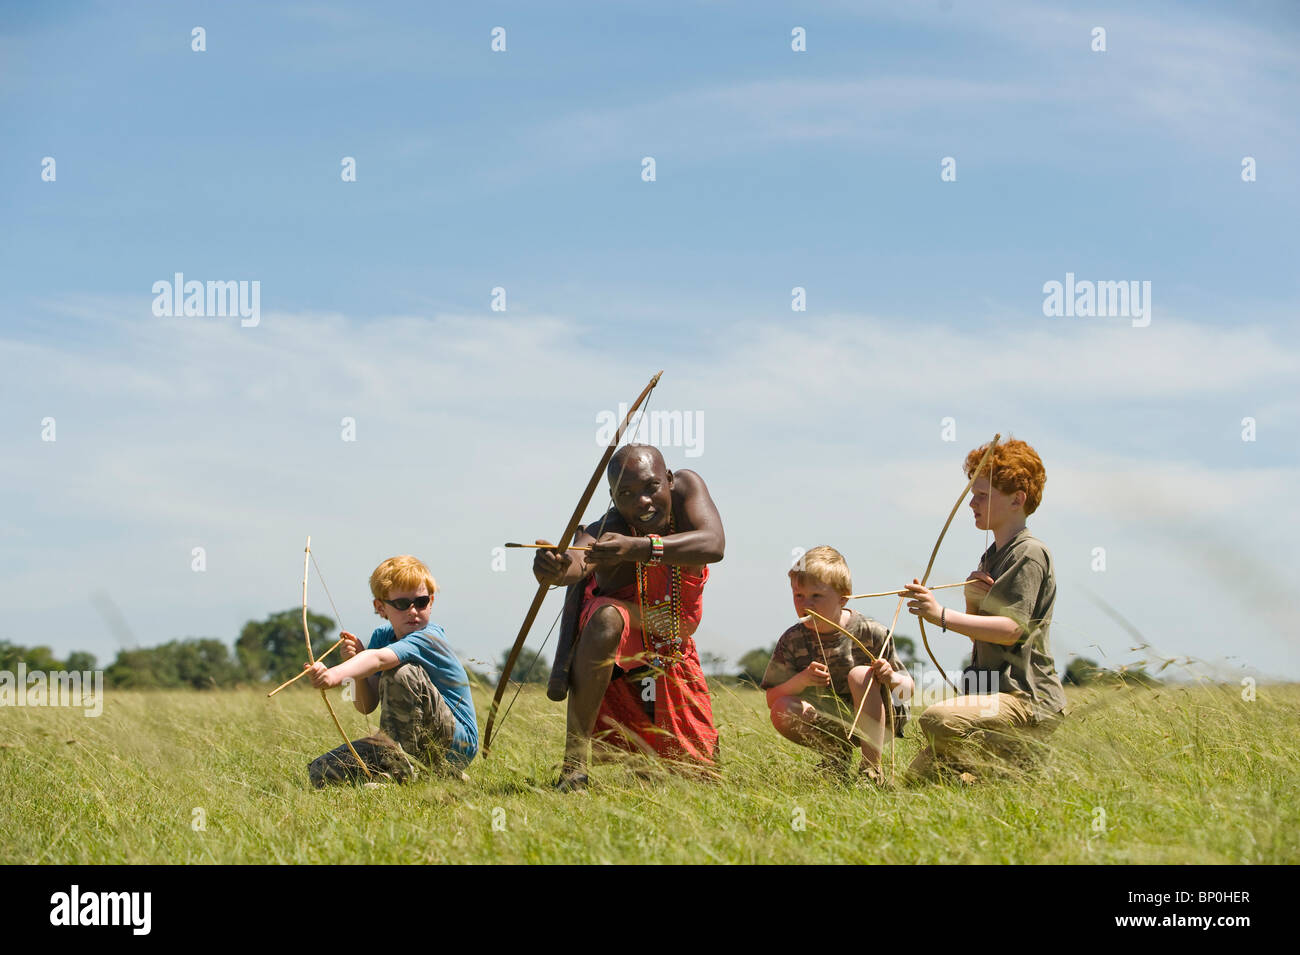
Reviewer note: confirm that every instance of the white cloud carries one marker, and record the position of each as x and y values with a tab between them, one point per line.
475	430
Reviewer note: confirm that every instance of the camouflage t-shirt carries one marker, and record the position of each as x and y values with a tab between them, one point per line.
800	645
1025	591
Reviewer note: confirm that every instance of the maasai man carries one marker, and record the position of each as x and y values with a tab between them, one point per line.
628	660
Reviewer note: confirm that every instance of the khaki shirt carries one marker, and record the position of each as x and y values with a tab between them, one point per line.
800	645
1025	591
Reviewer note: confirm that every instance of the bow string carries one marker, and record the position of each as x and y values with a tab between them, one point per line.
565	540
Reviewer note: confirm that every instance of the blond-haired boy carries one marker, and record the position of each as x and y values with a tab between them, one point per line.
412	671
819	675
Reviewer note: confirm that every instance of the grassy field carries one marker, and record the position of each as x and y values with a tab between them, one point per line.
1174	775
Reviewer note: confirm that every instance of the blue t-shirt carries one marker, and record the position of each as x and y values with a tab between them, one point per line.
429	648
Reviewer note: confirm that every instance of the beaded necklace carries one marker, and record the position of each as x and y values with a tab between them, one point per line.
661	622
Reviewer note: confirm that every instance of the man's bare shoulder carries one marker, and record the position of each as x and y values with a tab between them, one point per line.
687	485
688	481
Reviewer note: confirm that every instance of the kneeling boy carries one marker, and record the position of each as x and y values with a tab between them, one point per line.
818	674
411	670
1012	692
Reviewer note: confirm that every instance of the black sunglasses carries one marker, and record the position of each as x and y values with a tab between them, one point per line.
405	603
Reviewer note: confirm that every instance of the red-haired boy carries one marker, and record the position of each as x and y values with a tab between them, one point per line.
413	672
1013	692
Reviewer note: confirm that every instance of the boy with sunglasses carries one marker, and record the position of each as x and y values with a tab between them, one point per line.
412	671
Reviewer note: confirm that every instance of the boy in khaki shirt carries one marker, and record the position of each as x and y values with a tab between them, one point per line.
818	675
1012	689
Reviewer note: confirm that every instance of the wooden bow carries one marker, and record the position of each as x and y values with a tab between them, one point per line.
306	557
935	553
563	545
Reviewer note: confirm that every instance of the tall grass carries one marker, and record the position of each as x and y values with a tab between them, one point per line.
1133	776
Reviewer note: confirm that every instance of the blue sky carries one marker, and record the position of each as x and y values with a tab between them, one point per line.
521	169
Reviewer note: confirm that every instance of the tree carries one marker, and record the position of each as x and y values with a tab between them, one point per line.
273	650
80	660
1132	676
1081	672
203	664
906	648
530	667
199	663
132	669
42	659
754	664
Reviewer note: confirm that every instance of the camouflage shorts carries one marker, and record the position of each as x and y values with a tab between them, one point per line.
416	727
415	715
828	728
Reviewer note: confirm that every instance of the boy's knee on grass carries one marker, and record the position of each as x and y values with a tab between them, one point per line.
790	714
382	757
786	711
327	769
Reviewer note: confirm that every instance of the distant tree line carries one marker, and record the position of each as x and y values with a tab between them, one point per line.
271	650
1084	672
